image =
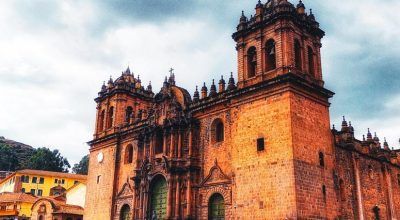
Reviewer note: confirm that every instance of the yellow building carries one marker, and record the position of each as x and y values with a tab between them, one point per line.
39	182
68	206
16	205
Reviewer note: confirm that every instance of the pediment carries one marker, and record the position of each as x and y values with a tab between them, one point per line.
216	176
125	191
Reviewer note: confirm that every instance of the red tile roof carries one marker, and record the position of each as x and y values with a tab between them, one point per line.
17	197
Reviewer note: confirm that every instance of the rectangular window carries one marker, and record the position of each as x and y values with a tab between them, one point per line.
260	144
23	190
62	181
55	181
33	191
39	192
25	179
41	180
34	179
321	159
3	207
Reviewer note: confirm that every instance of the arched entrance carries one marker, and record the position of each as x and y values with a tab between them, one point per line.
216	207
125	213
158	198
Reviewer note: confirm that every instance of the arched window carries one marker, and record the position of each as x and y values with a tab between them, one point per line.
217	131
128	154
297	55
321	159
311	67
270	55
101	120
216	207
110	119
158	148
128	114
251	62
125	213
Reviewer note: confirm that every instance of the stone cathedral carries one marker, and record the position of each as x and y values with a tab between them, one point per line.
258	148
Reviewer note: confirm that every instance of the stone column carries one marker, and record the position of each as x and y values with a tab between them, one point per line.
169	197
190	142
141	213
388	179
358	188
188	197
172	145
177	198
179	143
151	147
165	142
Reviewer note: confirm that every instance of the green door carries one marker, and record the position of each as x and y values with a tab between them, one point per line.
158	199
216	207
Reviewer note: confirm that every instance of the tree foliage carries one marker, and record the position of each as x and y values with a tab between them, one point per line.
8	158
82	166
45	159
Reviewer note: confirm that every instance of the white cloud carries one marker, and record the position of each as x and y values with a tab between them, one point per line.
52	64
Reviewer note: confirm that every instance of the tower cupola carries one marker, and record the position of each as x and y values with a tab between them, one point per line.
265	51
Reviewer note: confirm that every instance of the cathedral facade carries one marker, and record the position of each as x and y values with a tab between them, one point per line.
258	148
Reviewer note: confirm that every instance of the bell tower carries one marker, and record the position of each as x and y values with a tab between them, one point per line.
283	119
279	38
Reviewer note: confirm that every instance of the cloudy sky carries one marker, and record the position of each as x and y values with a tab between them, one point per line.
54	56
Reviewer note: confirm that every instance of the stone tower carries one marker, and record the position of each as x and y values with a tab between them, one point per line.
286	111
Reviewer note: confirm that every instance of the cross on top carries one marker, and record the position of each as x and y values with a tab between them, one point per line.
171	71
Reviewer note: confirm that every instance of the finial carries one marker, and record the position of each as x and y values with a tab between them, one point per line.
222	81
196	95
149	87
259	4
128	71
333	127
363	137
369	135
375	137
344	122
213	89
312	15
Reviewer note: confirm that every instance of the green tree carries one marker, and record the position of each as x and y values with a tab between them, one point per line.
82	166
8	158
45	159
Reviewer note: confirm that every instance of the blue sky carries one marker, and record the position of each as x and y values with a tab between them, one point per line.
55	55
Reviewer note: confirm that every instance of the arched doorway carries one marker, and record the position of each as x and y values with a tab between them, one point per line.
216	207
125	213
41	217
158	198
